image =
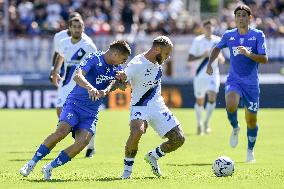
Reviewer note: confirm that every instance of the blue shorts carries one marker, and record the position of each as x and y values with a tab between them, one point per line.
249	94
78	118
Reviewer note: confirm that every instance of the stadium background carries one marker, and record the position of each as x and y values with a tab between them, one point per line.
27	29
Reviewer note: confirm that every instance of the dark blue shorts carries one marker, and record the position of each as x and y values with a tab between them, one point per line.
249	94
78	118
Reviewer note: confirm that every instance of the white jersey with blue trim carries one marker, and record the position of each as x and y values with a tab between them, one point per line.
62	35
73	54
145	80
200	45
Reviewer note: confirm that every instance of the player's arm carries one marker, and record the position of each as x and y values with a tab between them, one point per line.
213	55
59	59
80	79
192	57
260	58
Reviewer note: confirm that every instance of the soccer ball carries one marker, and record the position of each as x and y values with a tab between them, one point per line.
223	166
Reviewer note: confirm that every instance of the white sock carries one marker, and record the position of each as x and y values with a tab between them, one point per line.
209	110
91	144
128	164
158	153
198	112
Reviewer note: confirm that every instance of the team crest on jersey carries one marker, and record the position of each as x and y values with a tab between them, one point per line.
242	40
79	54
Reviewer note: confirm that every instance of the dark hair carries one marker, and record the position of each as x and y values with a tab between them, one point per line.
207	21
120	46
74	14
162	41
76	19
243	7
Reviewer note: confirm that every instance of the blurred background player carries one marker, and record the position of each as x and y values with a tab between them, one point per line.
147	106
69	51
95	78
203	83
247	50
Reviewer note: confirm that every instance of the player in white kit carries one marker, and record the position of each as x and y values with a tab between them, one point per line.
71	50
203	83
147	106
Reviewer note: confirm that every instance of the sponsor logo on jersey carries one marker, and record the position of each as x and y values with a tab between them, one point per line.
252	39
232	39
102	78
236	50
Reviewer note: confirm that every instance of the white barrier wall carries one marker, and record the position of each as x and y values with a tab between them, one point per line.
34	55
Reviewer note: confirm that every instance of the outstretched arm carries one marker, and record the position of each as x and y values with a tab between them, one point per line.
213	55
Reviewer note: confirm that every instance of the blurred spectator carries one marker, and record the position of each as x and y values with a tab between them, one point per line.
107	17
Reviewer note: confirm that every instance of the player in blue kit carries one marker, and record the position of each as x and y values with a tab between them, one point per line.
247	50
95	77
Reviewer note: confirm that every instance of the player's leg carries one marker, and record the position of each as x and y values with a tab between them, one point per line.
167	126
82	138
251	100
232	101
199	86
137	128
252	130
91	148
199	108
58	111
49	143
210	106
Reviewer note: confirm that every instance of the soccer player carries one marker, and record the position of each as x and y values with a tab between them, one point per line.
247	50
203	84
147	106
71	46
95	77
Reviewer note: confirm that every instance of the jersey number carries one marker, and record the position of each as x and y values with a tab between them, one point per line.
253	106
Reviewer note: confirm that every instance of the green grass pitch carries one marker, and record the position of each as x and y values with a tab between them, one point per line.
189	167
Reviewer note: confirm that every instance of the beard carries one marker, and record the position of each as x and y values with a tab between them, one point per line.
159	58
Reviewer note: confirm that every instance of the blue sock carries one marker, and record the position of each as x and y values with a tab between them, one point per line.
61	159
233	118
40	153
251	135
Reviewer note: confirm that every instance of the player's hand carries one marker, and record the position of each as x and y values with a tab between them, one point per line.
93	94
121	76
209	70
243	50
101	94
55	77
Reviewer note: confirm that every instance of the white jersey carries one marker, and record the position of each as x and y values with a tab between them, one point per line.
145	79
62	35
199	46
73	54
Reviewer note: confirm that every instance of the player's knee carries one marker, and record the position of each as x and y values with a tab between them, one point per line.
231	108
81	143
137	131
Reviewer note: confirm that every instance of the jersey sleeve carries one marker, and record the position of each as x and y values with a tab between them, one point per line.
88	63
223	42
60	48
130	70
55	43
261	44
194	49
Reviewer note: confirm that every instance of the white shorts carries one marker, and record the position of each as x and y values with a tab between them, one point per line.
62	93
160	118
205	84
